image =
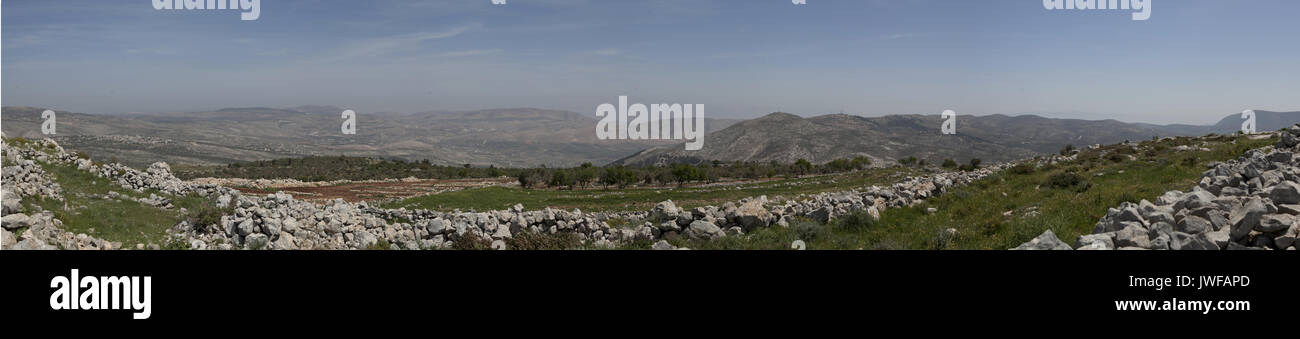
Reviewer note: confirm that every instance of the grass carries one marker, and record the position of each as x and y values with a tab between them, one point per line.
633	199
977	211
125	221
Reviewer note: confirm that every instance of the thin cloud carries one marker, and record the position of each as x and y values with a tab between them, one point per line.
467	53
384	46
901	36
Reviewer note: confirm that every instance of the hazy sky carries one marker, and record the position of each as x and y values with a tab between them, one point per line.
1194	61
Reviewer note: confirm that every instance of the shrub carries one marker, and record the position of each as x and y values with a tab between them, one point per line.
382	244
207	215
530	241
856	221
949	163
1067	150
471	243
1021	169
1064	180
973	165
942	239
808	230
174	244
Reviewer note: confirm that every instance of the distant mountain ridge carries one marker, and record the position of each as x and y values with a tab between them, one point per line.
527	137
784	137
513	137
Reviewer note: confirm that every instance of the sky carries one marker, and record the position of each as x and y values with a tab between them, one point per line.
1193	61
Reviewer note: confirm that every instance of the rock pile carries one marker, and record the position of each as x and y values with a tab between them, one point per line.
41	230
26	178
1250	203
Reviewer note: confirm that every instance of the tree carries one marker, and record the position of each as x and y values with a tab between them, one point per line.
861	162
611	176
803	166
584	175
685	173
625	177
526	179
561	178
1067	150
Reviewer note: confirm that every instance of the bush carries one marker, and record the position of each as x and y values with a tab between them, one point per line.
1064	180
1067	150
949	163
471	243
530	241
176	245
207	215
808	230
382	244
973	165
1021	169
856	221
942	239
